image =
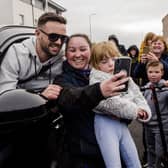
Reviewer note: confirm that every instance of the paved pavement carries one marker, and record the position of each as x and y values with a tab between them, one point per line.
136	131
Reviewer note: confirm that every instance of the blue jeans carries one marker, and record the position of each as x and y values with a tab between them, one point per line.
114	139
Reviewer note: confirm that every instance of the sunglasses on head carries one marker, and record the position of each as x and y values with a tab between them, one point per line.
54	36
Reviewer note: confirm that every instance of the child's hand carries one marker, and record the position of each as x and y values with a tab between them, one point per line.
142	114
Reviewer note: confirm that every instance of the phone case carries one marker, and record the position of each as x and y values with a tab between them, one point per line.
146	49
123	63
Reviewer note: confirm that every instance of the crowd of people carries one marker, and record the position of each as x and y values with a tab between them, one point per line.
78	83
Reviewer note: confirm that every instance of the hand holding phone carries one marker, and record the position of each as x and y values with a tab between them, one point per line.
144	58
123	64
146	49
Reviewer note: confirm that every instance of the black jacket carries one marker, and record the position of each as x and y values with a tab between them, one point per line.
140	70
76	103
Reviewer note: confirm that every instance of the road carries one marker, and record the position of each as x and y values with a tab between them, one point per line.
136	131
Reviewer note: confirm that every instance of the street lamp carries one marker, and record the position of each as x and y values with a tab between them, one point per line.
90	24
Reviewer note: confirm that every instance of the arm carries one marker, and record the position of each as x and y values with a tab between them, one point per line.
119	106
139	70
9	70
165	64
86	98
140	101
124	107
90	96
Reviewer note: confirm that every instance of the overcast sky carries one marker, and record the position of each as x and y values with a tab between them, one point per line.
128	19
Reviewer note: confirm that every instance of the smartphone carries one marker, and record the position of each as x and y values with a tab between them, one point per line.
146	49
123	64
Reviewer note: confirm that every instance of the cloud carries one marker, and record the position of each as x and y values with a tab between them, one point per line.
129	20
142	26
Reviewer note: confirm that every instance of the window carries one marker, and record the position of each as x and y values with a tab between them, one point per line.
26	1
21	19
39	4
35	22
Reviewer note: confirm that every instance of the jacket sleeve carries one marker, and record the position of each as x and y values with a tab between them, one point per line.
85	98
118	106
124	107
165	64
140	100
139	70
9	70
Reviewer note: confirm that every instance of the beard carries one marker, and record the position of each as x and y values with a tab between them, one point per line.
50	53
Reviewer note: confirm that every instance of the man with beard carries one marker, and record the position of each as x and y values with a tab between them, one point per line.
34	63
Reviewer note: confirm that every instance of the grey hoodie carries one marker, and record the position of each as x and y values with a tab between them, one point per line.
162	96
21	62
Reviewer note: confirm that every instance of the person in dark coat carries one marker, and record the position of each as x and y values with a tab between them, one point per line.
80	138
120	47
133	53
81	149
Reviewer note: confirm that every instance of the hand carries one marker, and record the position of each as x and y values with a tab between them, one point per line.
152	57
112	87
52	92
142	114
144	58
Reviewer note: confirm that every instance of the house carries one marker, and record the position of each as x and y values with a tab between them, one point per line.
26	12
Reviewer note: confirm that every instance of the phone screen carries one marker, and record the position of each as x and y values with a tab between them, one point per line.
123	64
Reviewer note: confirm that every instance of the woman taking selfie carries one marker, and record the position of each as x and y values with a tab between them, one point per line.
81	148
